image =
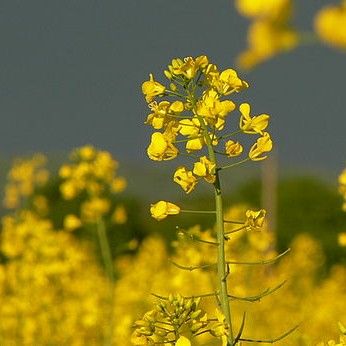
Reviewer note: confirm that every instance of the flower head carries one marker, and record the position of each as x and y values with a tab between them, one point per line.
160	148
151	88
185	179
256	124
255	219
233	148
206	169
162	209
330	25
263	144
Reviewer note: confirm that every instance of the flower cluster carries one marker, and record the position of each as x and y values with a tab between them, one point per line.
92	174
46	294
189	118
330	25
23	178
270	32
173	316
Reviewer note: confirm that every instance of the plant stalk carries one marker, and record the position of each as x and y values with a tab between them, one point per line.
108	265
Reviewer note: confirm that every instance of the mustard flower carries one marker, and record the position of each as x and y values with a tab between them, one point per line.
187	67
189	127
274	10
265	40
151	88
342	187
233	148
255	124
330	25
119	215
206	169
342	239
255	219
163	112
263	144
185	179
162	209
72	222
94	209
161	148
213	110
228	81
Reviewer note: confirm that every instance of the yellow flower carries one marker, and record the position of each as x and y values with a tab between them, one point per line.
342	239
255	124
162	111
162	209
185	179
194	144
118	184
187	67
94	208
87	152
182	341
255	219
265	40
151	89
213	110
330	25
119	215
233	148
161	148
277	10
228	81
72	222
206	169
263	144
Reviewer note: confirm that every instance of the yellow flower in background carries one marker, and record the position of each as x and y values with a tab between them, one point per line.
162	209
206	169
72	222
119	215
233	148
92	210
160	148
23	178
118	184
87	153
255	124
151	88
255	219
342	187
330	25
342	239
263	144
274	10
185	179
265	40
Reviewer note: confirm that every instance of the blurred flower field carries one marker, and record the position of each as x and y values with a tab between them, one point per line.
55	291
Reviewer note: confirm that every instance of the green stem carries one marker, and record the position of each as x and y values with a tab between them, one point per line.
108	265
221	262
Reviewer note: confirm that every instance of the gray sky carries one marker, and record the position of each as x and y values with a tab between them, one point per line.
71	72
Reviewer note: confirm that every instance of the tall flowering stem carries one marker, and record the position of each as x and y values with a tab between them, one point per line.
191	121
